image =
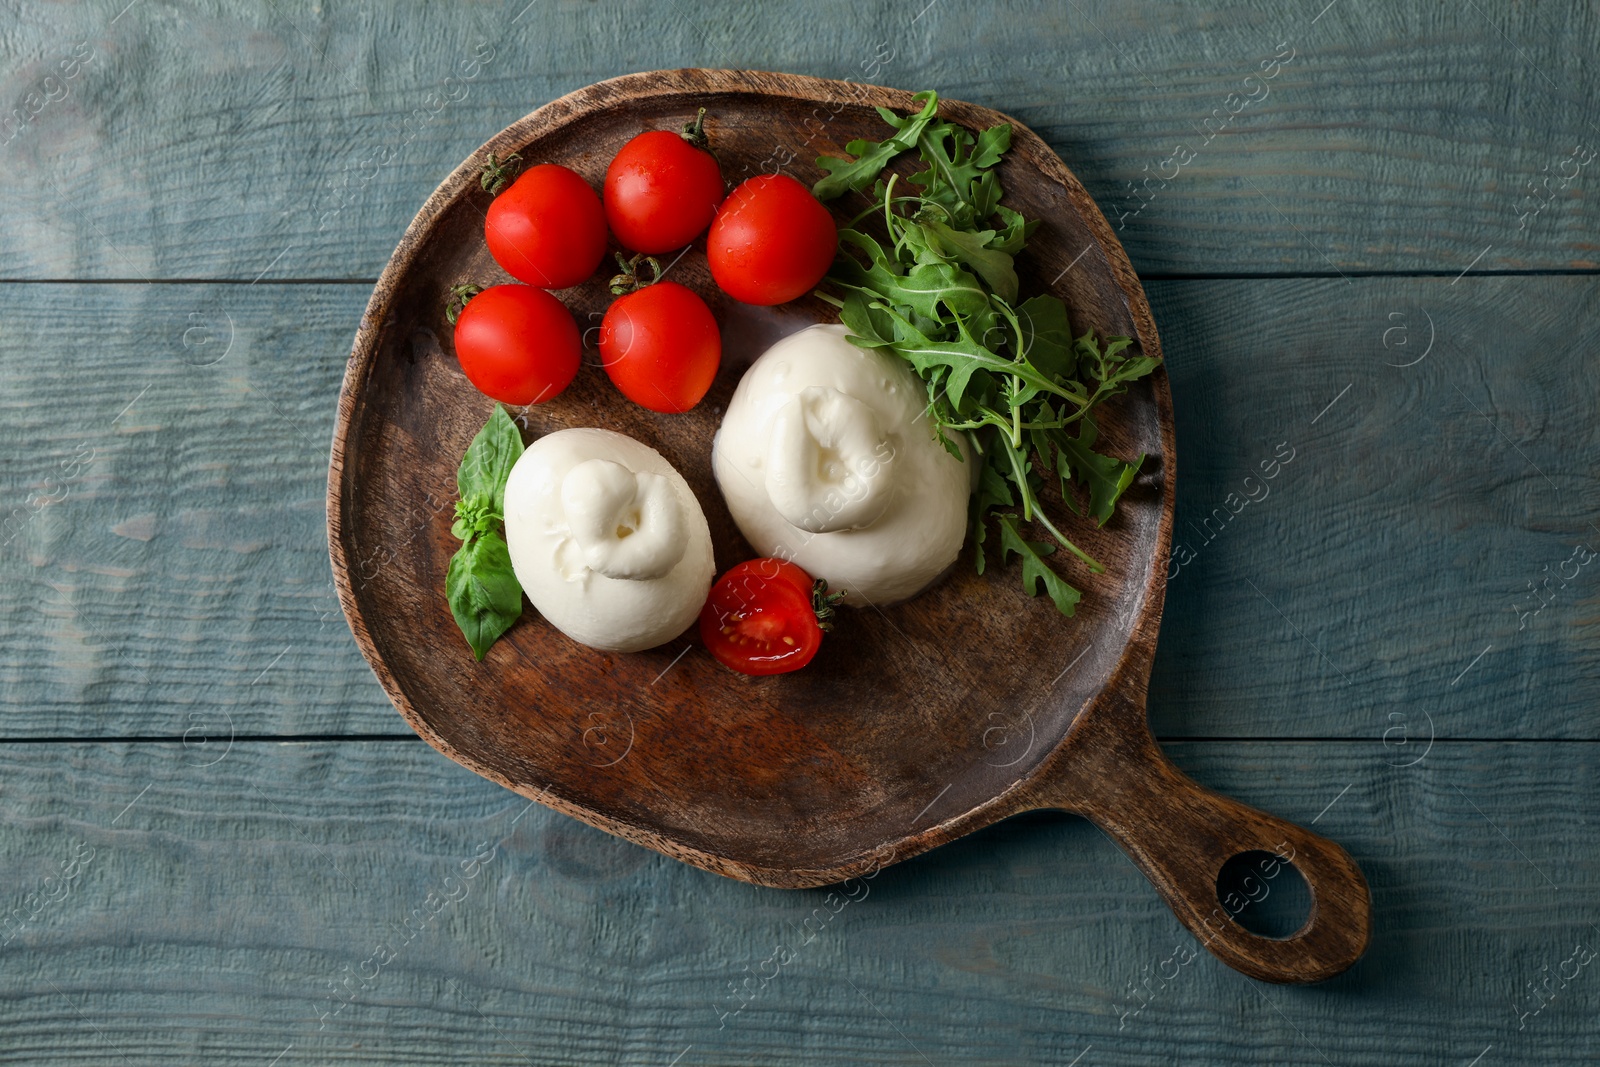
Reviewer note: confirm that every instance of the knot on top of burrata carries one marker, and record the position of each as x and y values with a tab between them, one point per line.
627	524
829	463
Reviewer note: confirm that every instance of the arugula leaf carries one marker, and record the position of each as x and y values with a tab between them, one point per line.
993	266
870	326
483	591
881	271
489	459
993	491
480	584
957	181
1034	568
845	175
1046	336
1107	477
960	359
927	285
936	284
1014	237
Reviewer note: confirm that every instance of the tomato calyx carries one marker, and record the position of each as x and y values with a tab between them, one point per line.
824	603
496	174
695	132
628	281
459	295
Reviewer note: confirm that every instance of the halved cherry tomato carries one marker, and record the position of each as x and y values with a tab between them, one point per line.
771	241
548	229
759	618
770	568
517	344
662	189
661	346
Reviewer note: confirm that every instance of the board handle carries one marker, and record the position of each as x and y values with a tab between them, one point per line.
1180	834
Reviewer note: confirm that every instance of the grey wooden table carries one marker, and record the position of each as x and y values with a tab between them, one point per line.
219	844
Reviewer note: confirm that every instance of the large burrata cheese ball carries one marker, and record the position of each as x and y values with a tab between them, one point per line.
827	457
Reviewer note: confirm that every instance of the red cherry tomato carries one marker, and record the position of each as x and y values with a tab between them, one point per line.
662	189
759	619
548	229
772	569
517	344
771	241
661	346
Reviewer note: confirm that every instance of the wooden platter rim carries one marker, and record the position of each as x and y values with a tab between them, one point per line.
1130	675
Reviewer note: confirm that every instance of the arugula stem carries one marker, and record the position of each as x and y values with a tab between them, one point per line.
873	209
1019	475
888	215
1094	564
1032	510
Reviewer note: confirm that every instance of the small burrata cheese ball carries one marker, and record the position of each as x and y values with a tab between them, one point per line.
827	457
607	539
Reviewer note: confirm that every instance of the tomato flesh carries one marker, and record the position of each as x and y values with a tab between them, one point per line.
547	229
759	619
661	192
661	346
772	241
517	344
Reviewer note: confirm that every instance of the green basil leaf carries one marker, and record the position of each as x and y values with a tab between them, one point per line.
475	515
489	459
483	591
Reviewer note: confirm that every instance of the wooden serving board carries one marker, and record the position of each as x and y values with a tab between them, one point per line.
915	724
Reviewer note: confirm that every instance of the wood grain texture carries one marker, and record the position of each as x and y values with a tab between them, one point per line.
1415	528
223	140
165	560
215	914
192	546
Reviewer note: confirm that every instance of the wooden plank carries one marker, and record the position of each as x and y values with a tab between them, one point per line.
177	907
165	562
165	566
1389	581
298	140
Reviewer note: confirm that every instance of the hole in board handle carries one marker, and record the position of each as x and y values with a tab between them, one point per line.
1265	894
